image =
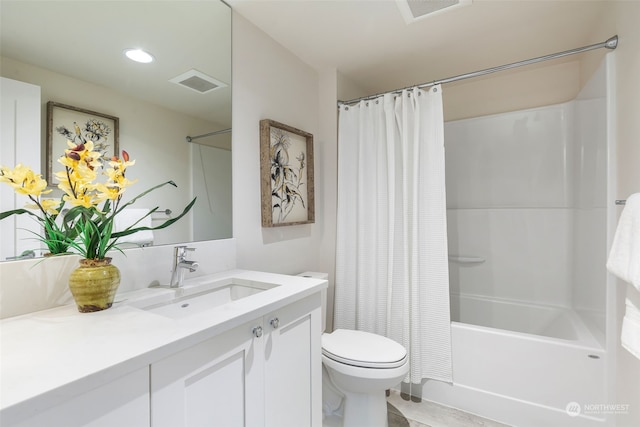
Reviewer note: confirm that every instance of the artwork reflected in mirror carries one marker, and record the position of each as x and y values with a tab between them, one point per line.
155	109
67	124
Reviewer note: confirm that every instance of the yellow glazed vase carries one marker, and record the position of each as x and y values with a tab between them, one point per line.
94	284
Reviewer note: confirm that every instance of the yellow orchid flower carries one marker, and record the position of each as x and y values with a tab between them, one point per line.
24	180
121	165
109	192
84	199
88	229
48	205
118	178
81	154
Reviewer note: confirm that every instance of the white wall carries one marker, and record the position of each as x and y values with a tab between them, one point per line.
271	83
625	24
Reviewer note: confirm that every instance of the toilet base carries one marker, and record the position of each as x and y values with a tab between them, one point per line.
368	410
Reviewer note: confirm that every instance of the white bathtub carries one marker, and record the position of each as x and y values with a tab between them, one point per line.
521	364
535	319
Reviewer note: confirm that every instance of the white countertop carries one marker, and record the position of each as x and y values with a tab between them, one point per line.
50	356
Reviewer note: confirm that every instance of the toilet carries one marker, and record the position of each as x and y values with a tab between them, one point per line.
358	368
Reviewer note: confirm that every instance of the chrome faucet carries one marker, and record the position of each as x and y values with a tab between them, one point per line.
24	255
180	264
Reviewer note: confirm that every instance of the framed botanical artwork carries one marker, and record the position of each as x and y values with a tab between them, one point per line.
78	125
286	171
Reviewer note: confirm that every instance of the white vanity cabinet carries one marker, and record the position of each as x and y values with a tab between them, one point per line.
293	365
209	381
253	362
122	402
266	372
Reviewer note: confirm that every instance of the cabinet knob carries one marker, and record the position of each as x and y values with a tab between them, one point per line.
257	331
275	322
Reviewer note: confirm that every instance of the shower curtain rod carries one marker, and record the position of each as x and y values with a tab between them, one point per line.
218	132
610	43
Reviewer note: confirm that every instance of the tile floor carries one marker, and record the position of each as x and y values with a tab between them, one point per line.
404	413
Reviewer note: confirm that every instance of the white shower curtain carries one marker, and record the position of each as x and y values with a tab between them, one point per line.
391	258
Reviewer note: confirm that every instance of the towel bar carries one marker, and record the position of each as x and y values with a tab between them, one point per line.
621	202
466	259
167	212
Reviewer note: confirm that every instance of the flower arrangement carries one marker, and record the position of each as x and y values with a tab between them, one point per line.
87	226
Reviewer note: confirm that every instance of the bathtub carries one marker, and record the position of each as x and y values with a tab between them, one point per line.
522	364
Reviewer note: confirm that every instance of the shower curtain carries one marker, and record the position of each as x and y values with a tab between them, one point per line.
391	257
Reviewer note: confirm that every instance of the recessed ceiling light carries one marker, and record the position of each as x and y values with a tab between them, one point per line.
139	55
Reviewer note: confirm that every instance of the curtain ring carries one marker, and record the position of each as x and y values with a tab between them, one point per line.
435	89
377	101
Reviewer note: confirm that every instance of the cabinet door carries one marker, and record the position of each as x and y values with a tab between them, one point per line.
215	383
19	143
293	365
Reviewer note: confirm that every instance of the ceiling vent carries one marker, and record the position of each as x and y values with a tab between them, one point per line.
197	81
414	10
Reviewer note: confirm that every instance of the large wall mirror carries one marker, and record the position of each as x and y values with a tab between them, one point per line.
174	113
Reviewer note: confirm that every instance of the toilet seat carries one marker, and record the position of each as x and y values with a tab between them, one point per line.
363	349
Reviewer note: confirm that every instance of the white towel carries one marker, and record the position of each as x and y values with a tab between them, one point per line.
624	258
630	337
624	262
128	217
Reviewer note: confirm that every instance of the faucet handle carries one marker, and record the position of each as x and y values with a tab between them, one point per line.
181	249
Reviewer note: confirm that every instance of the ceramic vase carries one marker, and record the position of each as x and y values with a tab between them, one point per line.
94	284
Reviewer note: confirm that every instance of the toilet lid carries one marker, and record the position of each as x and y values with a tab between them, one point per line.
363	349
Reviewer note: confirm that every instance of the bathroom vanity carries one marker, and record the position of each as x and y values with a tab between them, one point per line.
238	348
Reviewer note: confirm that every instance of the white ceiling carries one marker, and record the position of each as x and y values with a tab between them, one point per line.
369	42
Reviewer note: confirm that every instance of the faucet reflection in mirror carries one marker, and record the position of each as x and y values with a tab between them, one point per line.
86	228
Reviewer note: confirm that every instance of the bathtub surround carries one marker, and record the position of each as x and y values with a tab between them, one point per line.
391	254
528	203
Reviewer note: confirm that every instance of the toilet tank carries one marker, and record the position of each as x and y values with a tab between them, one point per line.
322	276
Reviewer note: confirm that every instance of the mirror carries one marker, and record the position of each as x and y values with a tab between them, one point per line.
174	113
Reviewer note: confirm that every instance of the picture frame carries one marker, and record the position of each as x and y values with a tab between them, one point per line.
287	175
102	129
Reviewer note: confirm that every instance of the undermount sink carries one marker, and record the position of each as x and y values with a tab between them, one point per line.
197	298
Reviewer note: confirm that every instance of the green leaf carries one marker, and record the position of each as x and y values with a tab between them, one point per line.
6	214
132	201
